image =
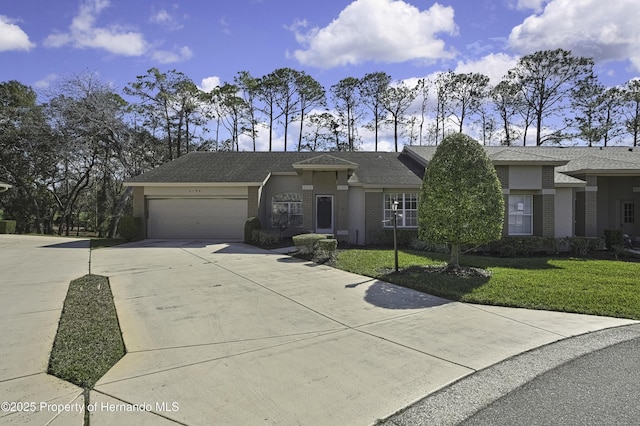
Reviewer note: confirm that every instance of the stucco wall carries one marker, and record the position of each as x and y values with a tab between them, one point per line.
612	191
196	191
564	219
356	215
374	212
525	177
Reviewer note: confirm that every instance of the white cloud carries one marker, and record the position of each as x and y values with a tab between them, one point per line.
12	37
45	82
388	31
494	65
178	54
166	19
84	34
604	30
535	5
210	83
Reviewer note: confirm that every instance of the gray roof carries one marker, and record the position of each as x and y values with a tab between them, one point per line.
373	168
574	161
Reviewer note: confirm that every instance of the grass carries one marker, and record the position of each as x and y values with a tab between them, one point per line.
88	342
588	286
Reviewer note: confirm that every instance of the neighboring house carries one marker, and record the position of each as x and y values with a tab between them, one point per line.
4	187
551	192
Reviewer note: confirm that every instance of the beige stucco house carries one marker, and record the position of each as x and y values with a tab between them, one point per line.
551	192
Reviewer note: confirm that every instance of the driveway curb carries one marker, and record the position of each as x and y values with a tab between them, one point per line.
468	395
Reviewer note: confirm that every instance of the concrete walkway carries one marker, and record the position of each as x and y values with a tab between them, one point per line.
231	334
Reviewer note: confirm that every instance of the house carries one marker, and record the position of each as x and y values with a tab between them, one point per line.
549	191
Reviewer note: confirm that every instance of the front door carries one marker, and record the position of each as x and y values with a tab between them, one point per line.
324	214
628	217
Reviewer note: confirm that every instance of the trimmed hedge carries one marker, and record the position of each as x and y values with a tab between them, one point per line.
7	226
526	246
130	228
330	245
307	243
404	237
264	238
613	237
252	224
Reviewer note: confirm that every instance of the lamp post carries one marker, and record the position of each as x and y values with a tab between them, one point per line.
394	208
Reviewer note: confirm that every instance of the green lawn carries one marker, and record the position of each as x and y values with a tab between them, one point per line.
598	287
88	342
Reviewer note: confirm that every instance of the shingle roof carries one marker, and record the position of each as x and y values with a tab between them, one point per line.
572	160
325	160
373	168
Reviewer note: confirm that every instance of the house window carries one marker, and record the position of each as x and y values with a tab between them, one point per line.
286	210
628	213
521	215
407	209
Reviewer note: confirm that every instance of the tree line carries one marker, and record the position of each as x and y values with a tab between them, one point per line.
68	151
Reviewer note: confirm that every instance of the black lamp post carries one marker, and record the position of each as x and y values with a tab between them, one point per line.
394	208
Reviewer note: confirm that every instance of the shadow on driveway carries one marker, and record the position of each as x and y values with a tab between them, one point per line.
391	296
82	244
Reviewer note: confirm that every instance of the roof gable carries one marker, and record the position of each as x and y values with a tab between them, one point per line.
325	162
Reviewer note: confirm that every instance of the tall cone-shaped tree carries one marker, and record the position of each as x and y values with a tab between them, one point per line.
461	200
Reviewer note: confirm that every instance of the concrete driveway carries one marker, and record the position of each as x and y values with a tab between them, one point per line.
231	334
34	276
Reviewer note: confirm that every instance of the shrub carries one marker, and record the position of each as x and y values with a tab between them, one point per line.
581	246
612	237
252	224
329	245
130	228
264	238
306	243
405	237
7	226
325	250
461	201
507	251
417	244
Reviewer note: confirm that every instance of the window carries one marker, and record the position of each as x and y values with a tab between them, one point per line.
521	215
628	213
407	210
286	210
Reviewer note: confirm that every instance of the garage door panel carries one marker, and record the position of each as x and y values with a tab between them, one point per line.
197	218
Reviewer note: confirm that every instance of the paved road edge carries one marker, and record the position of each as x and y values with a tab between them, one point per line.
466	396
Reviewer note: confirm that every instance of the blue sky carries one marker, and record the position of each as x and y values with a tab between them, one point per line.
210	41
330	39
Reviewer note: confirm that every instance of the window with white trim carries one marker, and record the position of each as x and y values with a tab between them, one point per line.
520	214
407	209
628	213
286	210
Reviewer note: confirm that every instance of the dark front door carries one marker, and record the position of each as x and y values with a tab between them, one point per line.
324	214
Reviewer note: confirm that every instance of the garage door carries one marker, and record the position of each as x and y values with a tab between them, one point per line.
197	218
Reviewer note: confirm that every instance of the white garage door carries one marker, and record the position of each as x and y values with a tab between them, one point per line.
197	218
